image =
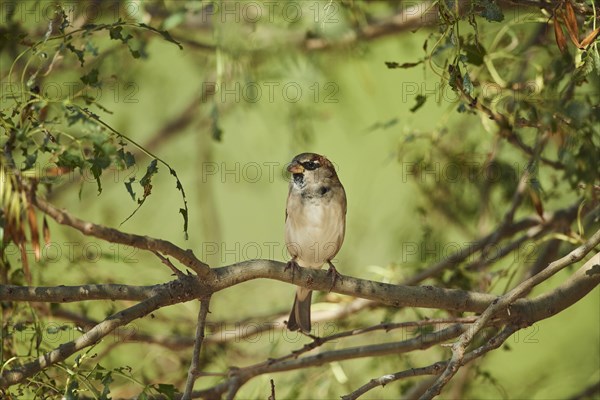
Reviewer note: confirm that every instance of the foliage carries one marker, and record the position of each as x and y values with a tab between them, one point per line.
527	88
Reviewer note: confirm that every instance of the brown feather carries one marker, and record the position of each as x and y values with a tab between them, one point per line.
315	223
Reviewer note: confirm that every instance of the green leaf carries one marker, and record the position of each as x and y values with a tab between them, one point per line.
72	390
184	214
116	34
74	115
78	53
454	71
30	159
91	78
420	101
106	381
596	58
129	187
491	11
474	54
586	66
467	84
393	64
166	35
70	159
146	183
167	390
99	162
151	170
126	157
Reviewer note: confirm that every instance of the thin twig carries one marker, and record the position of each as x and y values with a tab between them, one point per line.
62	352
433	369
200	327
242	375
168	263
272	396
186	257
505	302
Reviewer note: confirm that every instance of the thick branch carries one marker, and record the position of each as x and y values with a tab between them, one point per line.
189	287
68	294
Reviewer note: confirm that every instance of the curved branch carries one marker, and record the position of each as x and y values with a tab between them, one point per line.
65	350
186	257
433	369
523	312
188	287
504	305
421	342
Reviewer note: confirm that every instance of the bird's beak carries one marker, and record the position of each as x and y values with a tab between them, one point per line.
295	168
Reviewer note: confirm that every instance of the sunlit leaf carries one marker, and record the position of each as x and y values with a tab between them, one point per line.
571	23
589	39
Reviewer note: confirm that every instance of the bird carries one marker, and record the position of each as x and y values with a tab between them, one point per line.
315	225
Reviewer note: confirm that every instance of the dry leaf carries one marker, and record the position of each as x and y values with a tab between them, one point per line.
571	22
589	39
35	235
560	36
46	231
25	263
537	203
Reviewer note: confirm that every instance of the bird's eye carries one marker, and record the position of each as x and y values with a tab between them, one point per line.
310	165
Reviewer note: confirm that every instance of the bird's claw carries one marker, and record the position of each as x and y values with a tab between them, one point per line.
294	266
334	274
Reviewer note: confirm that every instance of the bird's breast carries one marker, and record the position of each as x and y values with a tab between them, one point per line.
314	230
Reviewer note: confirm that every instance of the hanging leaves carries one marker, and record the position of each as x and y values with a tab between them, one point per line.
570	20
17	214
571	23
561	41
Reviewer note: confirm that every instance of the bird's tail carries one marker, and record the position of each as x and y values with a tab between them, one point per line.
300	316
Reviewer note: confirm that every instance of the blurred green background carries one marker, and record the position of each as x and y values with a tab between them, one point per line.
354	110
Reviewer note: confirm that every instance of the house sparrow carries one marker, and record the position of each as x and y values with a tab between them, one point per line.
315	223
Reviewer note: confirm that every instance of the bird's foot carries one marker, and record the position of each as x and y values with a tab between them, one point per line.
334	274
294	267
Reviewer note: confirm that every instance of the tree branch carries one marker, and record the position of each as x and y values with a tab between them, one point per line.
420	342
69	294
189	287
433	369
506	302
186	257
200	326
18	374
